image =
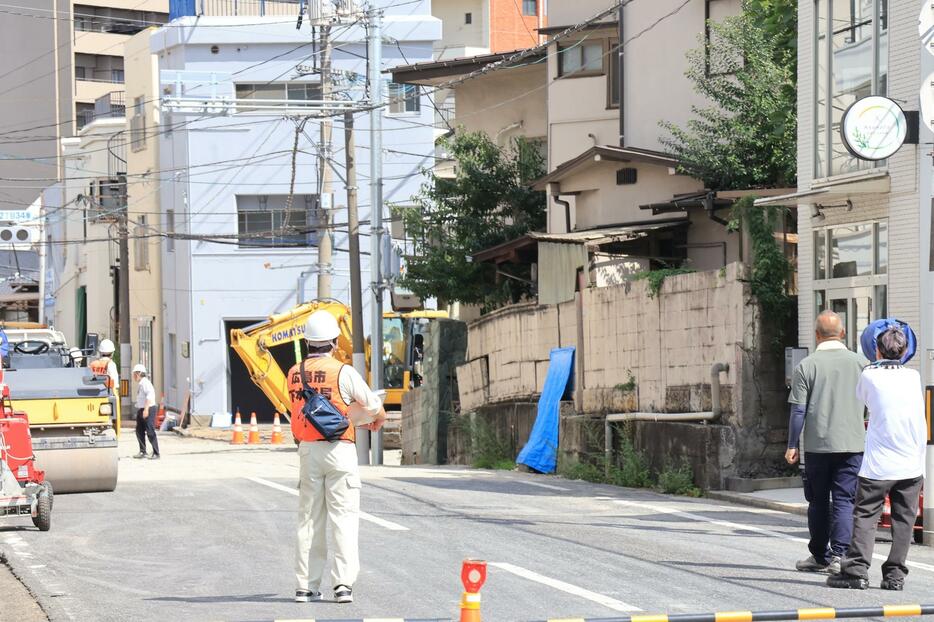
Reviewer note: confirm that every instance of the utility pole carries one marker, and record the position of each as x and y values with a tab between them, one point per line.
123	313
356	282
324	171
375	56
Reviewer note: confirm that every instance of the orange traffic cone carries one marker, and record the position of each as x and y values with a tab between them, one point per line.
276	431
160	416
237	431
473	575
253	438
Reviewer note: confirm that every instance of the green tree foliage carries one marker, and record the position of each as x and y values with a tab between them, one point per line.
488	202
747	138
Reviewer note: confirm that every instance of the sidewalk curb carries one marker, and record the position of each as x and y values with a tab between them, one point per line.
765	504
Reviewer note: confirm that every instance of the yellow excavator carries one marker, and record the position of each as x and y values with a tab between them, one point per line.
403	349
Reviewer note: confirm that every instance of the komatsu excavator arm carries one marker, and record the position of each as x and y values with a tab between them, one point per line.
253	345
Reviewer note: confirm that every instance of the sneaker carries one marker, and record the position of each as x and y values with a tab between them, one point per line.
896	585
155	457
307	596
140	455
343	594
847	582
812	565
834	566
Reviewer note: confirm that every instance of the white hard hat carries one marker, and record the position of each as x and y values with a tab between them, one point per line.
321	328
75	353
139	368
107	347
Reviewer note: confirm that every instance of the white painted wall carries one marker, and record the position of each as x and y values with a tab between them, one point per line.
458	35
206	283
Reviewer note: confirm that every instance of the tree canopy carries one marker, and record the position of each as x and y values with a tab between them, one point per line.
747	70
487	202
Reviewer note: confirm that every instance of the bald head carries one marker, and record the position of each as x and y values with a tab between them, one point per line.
829	326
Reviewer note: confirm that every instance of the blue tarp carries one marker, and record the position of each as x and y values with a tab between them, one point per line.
181	8
867	340
541	452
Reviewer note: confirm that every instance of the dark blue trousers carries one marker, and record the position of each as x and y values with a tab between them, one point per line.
830	483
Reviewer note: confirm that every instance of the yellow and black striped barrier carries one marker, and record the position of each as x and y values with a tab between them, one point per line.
818	613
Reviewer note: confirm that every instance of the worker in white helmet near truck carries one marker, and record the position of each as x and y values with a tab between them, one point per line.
325	395
145	413
105	366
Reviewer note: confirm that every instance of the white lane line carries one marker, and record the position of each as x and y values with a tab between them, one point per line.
743	527
540	485
606	601
391	526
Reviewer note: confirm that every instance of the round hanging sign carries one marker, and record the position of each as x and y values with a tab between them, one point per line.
873	128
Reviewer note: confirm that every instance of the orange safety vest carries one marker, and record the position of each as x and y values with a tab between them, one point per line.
99	368
322	374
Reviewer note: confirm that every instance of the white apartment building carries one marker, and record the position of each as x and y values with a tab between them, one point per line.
224	173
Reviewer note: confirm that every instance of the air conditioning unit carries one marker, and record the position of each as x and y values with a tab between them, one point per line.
18	236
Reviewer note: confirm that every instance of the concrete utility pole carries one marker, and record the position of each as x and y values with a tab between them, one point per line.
324	171
356	282
123	313
375	79
926	219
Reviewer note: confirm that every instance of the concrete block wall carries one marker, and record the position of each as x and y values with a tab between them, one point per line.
670	340
666	343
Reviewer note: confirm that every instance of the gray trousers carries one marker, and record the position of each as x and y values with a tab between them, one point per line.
870	497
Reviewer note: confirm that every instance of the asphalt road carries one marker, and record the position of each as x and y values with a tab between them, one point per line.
207	534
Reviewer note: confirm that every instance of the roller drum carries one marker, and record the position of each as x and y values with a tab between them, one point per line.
75	464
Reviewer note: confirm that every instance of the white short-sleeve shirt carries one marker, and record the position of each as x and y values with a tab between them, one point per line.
897	434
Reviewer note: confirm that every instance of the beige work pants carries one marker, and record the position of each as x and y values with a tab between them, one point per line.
329	494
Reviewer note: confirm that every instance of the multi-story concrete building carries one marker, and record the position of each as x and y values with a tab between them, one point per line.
36	111
144	212
859	238
101	29
81	213
473	27
233	248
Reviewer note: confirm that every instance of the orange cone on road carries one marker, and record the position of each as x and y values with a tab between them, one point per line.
473	575
253	438
276	431
237	431
160	416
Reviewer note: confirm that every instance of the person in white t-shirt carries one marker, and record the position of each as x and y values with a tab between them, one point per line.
146	412
893	464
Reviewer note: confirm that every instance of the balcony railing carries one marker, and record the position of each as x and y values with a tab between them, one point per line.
114	79
257	8
111	105
110	26
314	9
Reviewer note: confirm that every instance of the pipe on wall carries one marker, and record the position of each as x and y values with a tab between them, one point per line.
711	415
567	211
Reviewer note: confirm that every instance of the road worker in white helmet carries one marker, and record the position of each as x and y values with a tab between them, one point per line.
322	391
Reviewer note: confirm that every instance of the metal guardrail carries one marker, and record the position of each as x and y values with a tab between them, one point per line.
815	613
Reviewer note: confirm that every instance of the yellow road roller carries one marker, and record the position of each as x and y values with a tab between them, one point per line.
73	417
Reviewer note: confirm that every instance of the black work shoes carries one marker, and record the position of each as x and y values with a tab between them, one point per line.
896	585
847	582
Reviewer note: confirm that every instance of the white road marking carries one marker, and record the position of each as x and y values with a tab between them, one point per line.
606	601
540	485
391	526
743	527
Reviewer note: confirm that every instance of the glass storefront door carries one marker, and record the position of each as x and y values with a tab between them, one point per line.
857	307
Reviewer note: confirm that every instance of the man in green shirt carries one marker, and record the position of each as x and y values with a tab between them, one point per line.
824	403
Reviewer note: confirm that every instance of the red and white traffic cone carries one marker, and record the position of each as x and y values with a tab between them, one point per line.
276	431
253	439
237	438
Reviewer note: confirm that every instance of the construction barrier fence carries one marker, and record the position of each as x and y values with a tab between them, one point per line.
818	613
